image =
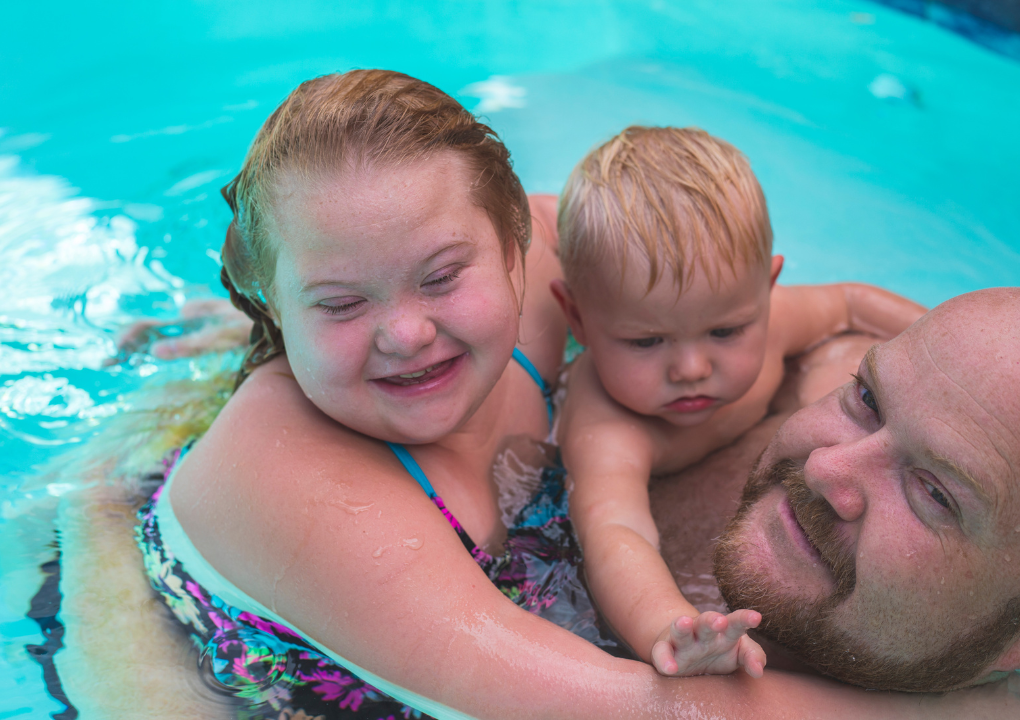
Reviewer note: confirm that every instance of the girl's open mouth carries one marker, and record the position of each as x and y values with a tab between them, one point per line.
430	375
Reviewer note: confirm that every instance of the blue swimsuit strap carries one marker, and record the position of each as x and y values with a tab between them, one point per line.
412	466
530	368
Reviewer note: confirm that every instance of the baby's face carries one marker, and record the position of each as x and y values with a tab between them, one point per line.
680	359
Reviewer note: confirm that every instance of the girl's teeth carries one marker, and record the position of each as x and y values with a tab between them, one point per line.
411	376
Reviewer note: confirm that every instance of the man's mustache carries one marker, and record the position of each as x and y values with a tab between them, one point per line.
816	517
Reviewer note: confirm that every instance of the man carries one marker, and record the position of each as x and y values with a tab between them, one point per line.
879	534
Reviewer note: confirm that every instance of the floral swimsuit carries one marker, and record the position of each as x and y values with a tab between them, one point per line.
269	671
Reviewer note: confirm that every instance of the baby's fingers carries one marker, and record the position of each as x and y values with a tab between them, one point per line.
662	658
751	657
740	621
709	625
681	633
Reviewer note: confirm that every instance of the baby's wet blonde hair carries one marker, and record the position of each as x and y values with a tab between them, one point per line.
679	197
338	124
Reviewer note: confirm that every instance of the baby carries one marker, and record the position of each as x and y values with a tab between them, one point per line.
670	284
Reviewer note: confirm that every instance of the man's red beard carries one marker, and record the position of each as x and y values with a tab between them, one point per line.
807	628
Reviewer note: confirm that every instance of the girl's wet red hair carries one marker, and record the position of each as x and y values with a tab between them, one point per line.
339	123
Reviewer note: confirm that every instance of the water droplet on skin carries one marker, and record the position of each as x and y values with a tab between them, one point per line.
413	543
1008	558
378	552
353	509
943	581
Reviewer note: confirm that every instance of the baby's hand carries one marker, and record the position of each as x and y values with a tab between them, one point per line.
710	644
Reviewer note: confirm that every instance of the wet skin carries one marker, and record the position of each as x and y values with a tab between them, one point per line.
919	461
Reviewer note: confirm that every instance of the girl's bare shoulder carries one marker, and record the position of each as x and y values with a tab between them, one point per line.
272	459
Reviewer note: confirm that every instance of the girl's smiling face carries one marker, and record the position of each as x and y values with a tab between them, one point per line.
394	296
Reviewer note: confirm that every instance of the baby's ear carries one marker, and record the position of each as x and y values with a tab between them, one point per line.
777	267
568	304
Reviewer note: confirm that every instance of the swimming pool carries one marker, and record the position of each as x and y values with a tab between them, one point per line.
886	146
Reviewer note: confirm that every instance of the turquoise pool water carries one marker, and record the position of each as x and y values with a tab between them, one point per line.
887	148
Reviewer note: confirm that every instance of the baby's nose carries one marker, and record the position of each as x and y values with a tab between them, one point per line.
689	365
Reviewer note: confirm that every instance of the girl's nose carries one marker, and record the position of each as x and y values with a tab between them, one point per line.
405	332
689	365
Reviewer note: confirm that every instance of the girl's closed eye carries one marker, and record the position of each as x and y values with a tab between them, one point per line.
341	306
443	277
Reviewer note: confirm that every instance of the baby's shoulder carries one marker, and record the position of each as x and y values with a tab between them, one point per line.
590	417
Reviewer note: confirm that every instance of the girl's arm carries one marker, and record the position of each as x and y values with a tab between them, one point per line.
810	314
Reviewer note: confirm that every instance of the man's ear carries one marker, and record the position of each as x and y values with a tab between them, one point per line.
1009	660
777	267
567	303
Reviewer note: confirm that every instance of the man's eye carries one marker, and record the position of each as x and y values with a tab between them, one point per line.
646	342
938	496
867	397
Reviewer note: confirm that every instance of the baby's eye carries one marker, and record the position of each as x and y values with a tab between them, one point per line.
725	332
645	342
442	277
341	306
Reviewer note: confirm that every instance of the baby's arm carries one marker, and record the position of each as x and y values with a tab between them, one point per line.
609	463
810	314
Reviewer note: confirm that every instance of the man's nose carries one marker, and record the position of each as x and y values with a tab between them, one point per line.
844	474
689	365
405	331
